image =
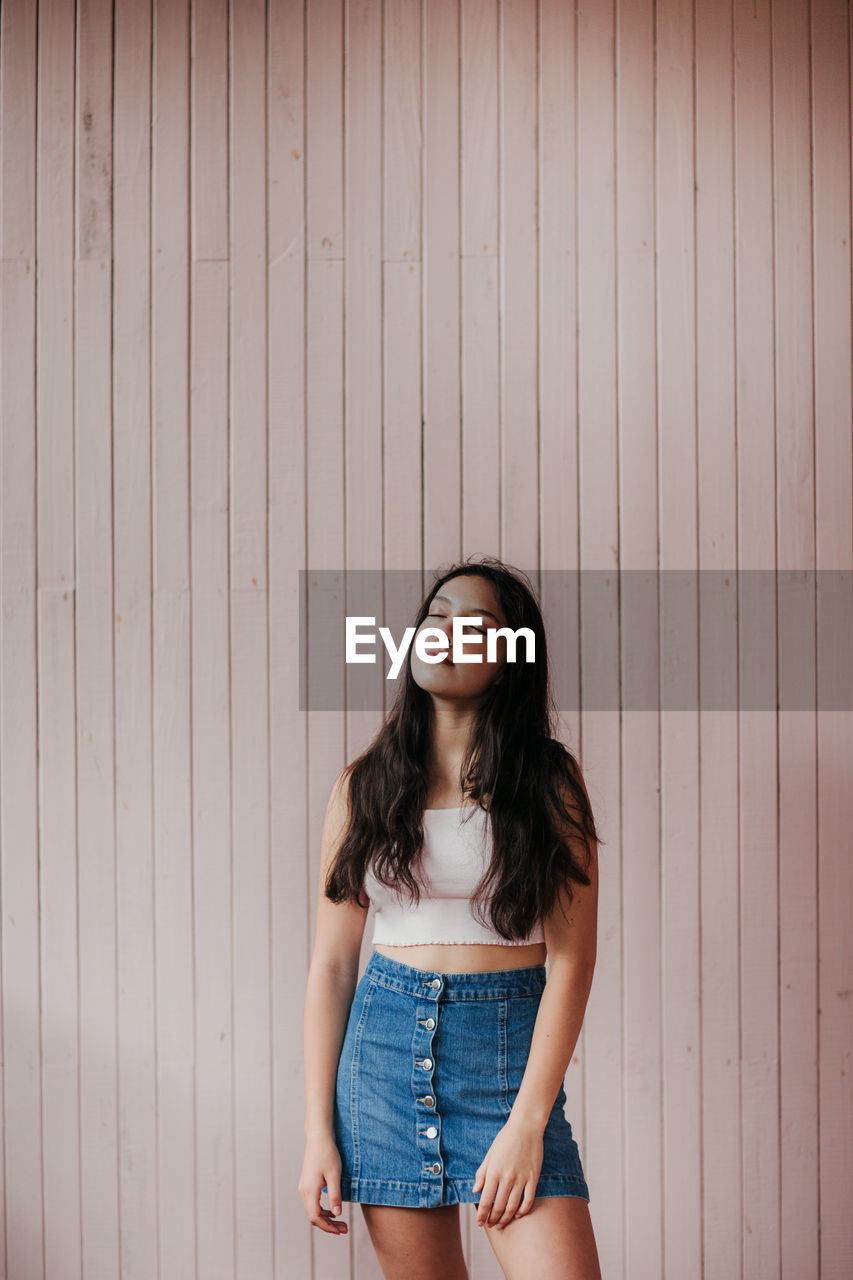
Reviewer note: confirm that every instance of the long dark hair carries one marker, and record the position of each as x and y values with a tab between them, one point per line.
541	819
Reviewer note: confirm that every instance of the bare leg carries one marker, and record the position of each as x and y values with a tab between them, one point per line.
417	1244
557	1232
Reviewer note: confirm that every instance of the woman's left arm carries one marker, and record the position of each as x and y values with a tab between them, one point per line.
513	1162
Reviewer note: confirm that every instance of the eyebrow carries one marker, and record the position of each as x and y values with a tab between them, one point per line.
475	613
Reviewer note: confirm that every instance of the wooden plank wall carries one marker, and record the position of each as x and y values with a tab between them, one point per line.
363	283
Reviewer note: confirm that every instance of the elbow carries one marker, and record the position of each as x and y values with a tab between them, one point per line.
338	972
580	970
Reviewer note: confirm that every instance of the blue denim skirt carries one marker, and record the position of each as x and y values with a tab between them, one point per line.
430	1066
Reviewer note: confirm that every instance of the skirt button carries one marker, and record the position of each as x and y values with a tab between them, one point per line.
436	1168
426	1064
429	1101
432	1132
430	1024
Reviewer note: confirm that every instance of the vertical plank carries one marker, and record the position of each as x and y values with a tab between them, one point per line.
18	154
211	1248
401	132
756	545
290	868
54	477
102	1174
557	313
252	1067
479	296
54	388
208	133
603	1131
833	412
135	896
401	281
323	128
402	491
172	647
248	211
679	729
213	1231
637	400
21	1204
479	126
518	211
440	275
21	1065
325	493
324	499
58	884
363	280
717	516
797	746
249	649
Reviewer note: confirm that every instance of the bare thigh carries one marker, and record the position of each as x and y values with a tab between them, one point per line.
417	1244
557	1232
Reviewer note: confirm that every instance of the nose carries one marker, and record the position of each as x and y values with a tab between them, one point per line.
446	627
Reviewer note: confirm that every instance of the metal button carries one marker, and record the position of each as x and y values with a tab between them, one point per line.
430	1024
432	1132
426	1064
436	983
436	1168
429	1101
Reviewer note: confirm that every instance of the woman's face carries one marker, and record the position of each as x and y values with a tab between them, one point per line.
465	596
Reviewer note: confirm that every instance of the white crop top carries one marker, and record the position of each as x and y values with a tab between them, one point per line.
456	851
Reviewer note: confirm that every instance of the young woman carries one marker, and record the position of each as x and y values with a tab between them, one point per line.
437	1079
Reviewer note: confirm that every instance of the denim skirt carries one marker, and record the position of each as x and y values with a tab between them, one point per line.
430	1066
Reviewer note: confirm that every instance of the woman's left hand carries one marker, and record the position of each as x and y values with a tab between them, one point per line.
509	1171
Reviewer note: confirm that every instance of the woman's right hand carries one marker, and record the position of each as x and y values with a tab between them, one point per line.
322	1167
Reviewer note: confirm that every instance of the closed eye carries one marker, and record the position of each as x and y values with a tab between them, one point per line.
468	626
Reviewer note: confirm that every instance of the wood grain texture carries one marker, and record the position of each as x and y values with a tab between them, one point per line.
636	300
830	89
375	284
142	931
716	455
55	604
756	527
441	280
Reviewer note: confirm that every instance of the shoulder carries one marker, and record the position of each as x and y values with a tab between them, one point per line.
565	773
337	816
574	811
339	795
572	785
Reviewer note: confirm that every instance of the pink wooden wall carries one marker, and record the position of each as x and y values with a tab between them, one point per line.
258	267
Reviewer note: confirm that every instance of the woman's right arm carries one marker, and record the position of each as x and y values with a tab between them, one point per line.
332	979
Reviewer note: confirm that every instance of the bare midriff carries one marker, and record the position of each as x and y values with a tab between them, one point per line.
465	957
